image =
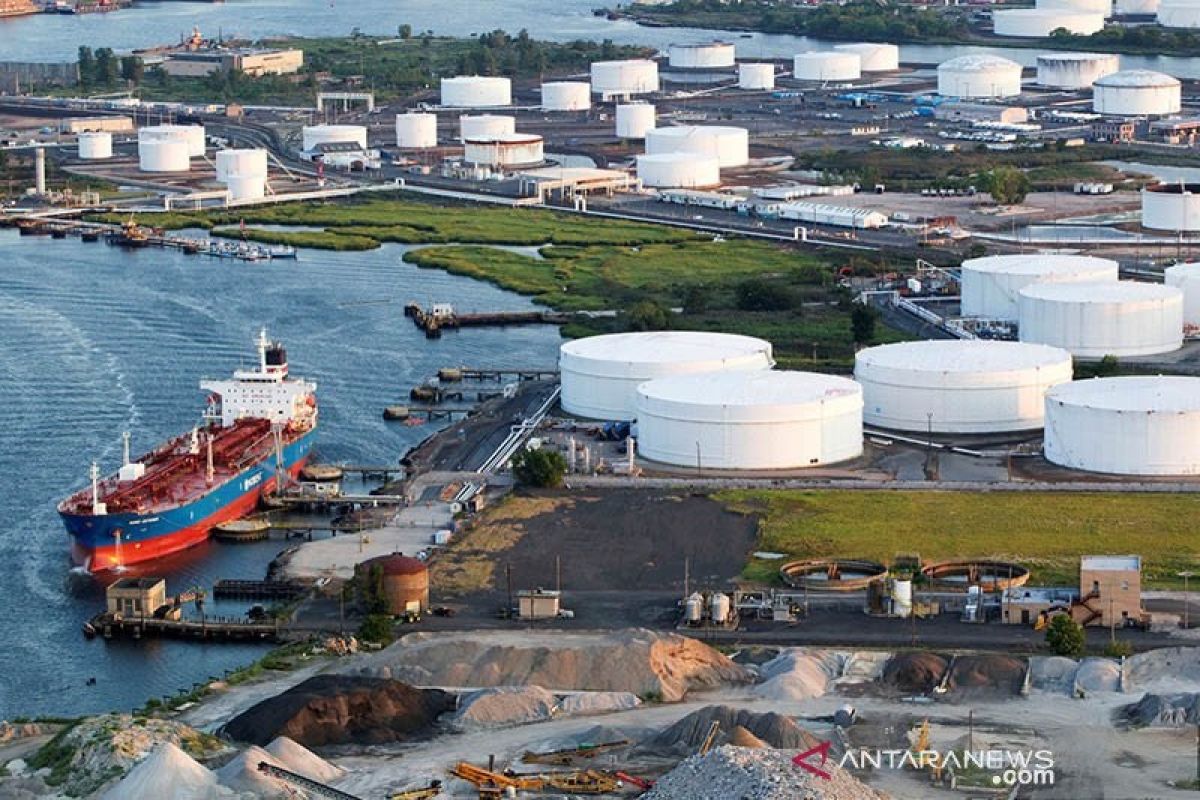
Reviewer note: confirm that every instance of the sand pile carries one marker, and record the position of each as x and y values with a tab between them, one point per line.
1053	674
298	758
1098	675
863	667
735	773
798	674
342	709
585	703
1163	711
504	706
242	774
988	673
168	774
1167	668
744	738
639	661
775	730
914	673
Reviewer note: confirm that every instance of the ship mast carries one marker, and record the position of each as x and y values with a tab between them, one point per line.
98	508
263	344
125	448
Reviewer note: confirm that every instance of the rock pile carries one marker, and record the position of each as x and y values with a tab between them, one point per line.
300	759
504	706
914	673
585	703
798	674
775	730
1163	711
1165	669
987	673
168	774
242	775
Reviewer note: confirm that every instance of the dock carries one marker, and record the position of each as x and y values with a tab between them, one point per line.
133	236
435	321
257	590
373	471
215	629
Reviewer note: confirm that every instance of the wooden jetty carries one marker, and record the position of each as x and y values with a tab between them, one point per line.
433	322
214	629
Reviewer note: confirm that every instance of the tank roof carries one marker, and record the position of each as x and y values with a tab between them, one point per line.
1138	78
747	389
658	347
978	62
1038	264
1100	292
1161	393
962	356
396	564
1077	56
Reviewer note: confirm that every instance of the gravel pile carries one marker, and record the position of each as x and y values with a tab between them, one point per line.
1054	674
798	674
987	673
1163	711
503	707
1098	675
298	758
914	673
586	703
168	774
687	734
242	775
1165	669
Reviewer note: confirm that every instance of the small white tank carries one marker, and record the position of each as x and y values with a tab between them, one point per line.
693	608
246	187
163	155
756	76
902	598
241	162
718	608
416	131
634	120
95	145
566	96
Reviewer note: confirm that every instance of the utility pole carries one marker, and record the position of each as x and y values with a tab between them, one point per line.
1185	574
558	574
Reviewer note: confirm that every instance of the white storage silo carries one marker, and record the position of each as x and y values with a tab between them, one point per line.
705	55
508	150
1136	93
95	145
245	187
635	119
1171	207
1179	13
624	78
314	135
991	285
730	145
164	155
829	65
476	91
1039	22
873	56
1101	7
566	96
958	386
979	76
482	126
601	374
1093	320
1075	70
195	139
416	131
248	162
191	135
1129	7
765	419
1186	278
679	171
756	75
1137	425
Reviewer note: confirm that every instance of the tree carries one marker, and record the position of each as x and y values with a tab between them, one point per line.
756	294
107	67
647	315
376	628
87	66
862	323
1065	636
132	69
696	299
1007	185
542	468
405	31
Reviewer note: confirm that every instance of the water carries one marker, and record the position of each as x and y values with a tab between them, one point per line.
96	340
51	37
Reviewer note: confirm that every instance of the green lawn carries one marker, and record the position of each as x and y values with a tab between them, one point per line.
1046	532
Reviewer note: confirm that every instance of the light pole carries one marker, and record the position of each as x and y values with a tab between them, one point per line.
1185	574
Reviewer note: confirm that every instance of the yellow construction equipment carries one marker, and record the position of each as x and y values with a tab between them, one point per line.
432	790
711	737
925	759
483	778
567	756
586	782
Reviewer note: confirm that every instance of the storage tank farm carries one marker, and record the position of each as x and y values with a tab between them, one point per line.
873	56
979	76
1093	320
312	136
756	75
566	96
416	131
600	374
95	145
483	126
624	79
958	386
1074	70
1186	278
1173	207
476	91
822	66
728	144
1137	93
758	420
1041	22
1179	13
701	56
634	120
991	285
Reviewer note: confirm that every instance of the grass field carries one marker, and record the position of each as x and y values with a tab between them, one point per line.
1046	532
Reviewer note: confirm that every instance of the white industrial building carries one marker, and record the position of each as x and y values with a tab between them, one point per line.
836	216
611	79
1179	13
1093	320
991	285
566	96
756	75
1128	7
979	76
1186	278
829	65
95	145
704	55
416	131
873	56
1101	7
601	374
750	420
507	150
1041	22
1126	426
1171	207
959	386
476	91
1137	93
1075	70
678	171
634	120
312	136
481	126
729	145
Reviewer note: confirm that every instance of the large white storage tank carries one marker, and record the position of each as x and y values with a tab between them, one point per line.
704	55
566	96
1186	278
979	76
757	420
829	65
601	374
164	155
1179	13
991	285
1136	425
756	75
1127	7
95	145
416	131
958	386
509	150
1075	70
1171	207
191	135
314	135
730	145
624	78
241	162
1093	320
634	120
1136	93
1040	22
1102	7
678	171
245	187
873	56
483	126
476	91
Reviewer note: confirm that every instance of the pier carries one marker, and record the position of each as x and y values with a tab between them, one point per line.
131	235
257	590
434	321
227	629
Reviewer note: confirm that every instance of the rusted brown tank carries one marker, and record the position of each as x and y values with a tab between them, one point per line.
396	580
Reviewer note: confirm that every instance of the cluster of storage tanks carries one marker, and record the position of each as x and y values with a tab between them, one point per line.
169	148
1083	17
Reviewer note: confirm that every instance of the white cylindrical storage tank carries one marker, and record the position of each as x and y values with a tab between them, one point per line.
635	119
730	145
601	374
476	91
566	96
191	135
1136	425
873	56
95	144
718	607
958	386
485	126
902	597
991	285
1075	70
510	150
979	76
416	131
693	608
1136	93
705	55
164	155
827	66
759	420
1102	7
1129	7
314	135
246	187
241	162
756	75
1186	278
1179	13
678	171
195	139
1093	320
1039	22
1171	207
624	78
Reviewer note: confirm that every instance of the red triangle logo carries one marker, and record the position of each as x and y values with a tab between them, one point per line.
802	760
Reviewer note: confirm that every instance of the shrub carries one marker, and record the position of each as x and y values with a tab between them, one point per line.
1065	636
542	468
376	628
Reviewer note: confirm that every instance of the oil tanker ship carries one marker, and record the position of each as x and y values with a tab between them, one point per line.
257	430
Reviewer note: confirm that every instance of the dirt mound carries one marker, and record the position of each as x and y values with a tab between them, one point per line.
773	729
504	706
914	673
342	709
298	758
1163	711
744	738
168	774
645	663
1098	675
987	673
1053	674
1165	668
585	703
798	674
242	774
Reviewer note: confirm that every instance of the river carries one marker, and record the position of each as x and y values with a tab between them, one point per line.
49	37
95	340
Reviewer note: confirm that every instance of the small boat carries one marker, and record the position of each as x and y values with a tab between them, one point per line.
131	235
281	251
90	235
